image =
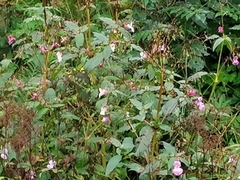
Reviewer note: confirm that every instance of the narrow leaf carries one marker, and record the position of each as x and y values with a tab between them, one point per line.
112	164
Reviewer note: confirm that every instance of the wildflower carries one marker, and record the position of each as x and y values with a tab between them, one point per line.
231	160
19	83
34	96
235	61
54	45
199	103
63	39
143	55
220	29
43	49
192	92
102	92
156	48
106	120
87	50
177	170
134	88
59	56
11	39
31	174
51	164
103	111
4	154
113	47
129	26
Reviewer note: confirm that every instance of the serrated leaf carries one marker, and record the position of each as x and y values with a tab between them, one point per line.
112	164
50	94
151	72
217	43
69	115
71	26
127	144
197	76
169	106
196	64
115	142
94	62
108	21
168	86
41	113
138	48
136	103
79	39
101	37
236	27
169	148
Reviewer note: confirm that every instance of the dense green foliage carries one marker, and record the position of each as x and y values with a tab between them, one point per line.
119	89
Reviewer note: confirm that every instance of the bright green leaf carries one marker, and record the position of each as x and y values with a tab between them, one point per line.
79	38
112	164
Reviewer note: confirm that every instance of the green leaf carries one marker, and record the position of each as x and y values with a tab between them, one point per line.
94	62
41	113
108	21
196	64
169	148
101	37
112	164
136	103
79	38
5	63
71	26
151	72
217	43
127	144
236	27
170	106
138	48
50	95
115	142
69	115
135	167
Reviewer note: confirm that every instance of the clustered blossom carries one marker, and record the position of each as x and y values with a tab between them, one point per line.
11	39
235	61
199	103
220	29
131	85
51	164
177	170
192	92
4	154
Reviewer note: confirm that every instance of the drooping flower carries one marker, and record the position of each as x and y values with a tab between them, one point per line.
103	111
199	103
11	39
192	92
231	160
19	83
106	120
35	96
43	49
235	61
102	92
51	164
143	55
176	164
59	56
4	154
134	88
220	29
129	26
113	47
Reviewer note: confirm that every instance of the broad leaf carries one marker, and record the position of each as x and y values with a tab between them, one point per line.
112	164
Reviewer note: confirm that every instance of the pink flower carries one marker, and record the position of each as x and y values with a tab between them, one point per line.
129	26
102	92
63	39
4	154
220	29
176	164
143	55
87	50
19	83
34	96
54	44
192	92
177	171
231	160
43	49
106	120
11	39
101	64
199	103
134	88
51	164
235	61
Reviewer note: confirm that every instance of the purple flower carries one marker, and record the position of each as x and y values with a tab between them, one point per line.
176	164
192	92
177	171
220	29
54	44
4	154
199	103
34	96
11	39
235	61
43	49
143	55
19	83
51	164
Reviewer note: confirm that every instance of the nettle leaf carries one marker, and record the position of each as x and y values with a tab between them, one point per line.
197	76
138	48
217	43
144	142
69	115
151	72
135	167
112	164
71	26
50	94
236	27
115	142
41	113
79	39
170	106
136	103
168	86
169	148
